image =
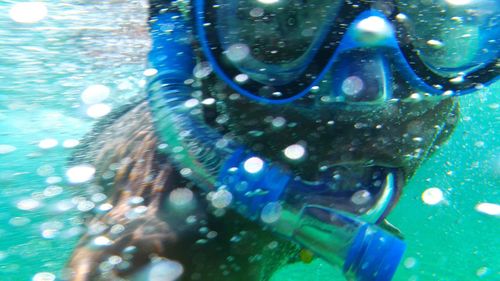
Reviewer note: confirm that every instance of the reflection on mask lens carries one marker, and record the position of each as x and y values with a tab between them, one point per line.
452	36
264	34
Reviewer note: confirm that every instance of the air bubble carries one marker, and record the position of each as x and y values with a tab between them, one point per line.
102	241
164	270
361	197
256	12
253	165
416	97
47	143
85	206
98	110
432	196
295	151
5	148
181	197
271	212
482	271
278	122
44	276
241	78
410	262
435	43
457	80
221	198
458	2
150	72
186	172
117	229
488	209
19	221
105	207
212	234
208	101
95	94
70	143
45	170
268	1
114	260
28	204
202	70
80	174
98	197
352	85
237	52
401	17
28	12
190	103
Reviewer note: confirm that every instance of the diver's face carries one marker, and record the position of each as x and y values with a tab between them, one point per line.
352	147
373	111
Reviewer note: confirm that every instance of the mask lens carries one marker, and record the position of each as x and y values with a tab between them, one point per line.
452	37
273	41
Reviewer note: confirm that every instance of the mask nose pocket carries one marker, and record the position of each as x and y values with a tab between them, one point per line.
362	77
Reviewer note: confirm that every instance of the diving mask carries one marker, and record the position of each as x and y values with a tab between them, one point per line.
276	51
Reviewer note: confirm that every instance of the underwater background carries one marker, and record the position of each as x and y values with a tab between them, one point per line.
66	64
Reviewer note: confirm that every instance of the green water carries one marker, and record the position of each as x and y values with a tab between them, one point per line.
45	67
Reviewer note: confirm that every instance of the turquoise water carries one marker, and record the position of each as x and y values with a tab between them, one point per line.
46	66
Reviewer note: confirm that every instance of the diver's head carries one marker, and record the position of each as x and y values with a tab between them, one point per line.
360	86
316	106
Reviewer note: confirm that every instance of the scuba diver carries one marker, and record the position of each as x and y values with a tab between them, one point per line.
274	127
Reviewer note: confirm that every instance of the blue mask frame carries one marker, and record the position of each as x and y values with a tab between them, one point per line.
401	56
